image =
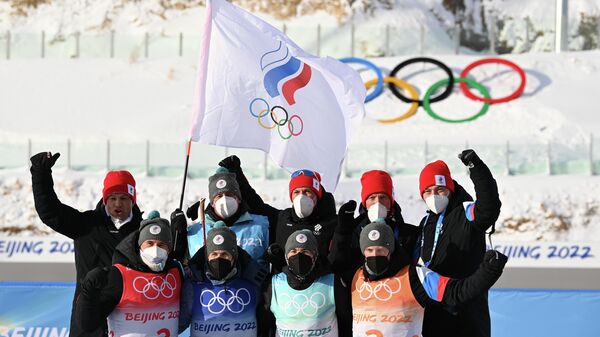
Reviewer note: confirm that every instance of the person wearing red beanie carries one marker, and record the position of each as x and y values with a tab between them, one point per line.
377	203
453	239
96	232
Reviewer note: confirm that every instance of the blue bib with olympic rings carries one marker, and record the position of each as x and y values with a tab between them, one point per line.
302	313
252	233
220	310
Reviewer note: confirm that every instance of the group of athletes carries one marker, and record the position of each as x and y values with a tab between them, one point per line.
241	266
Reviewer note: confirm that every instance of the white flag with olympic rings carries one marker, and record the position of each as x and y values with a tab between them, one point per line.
257	89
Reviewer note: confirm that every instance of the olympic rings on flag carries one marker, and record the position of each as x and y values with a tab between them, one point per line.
267	110
461	80
372	66
443	95
515	94
406	87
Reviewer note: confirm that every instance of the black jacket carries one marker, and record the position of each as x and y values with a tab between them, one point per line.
343	303
92	308
93	232
342	259
459	251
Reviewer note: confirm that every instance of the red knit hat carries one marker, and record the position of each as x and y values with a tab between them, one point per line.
436	173
376	181
118	182
306	178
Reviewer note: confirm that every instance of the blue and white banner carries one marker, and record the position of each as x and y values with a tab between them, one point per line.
35	309
37	249
550	254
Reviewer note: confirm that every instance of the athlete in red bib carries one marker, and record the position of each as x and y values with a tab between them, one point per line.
139	295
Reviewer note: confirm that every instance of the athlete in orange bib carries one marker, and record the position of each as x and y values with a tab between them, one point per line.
389	293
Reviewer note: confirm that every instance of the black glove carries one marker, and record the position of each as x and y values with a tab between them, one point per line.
346	221
192	211
275	256
44	161
495	259
469	158
232	163
178	221
94	281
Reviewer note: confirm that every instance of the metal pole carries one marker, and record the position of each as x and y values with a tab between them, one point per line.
108	154
180	44
387	40
426	152
77	46
266	161
8	44
319	40
112	44
456	38
549	158
146	41
345	172
508	158
385	155
29	151
68	154
422	40
591	154
147	157
562	26
226	152
352	28
284	29
43	44
492	34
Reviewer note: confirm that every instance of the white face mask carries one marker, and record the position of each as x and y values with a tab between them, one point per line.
226	206
437	203
377	211
154	257
303	206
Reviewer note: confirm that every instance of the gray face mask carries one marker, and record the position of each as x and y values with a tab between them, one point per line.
154	257
226	206
303	206
437	203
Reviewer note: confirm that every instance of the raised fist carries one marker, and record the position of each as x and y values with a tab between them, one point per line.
495	259
44	161
231	163
469	158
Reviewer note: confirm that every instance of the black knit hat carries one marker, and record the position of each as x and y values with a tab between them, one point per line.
377	233
220	237
223	181
304	239
155	229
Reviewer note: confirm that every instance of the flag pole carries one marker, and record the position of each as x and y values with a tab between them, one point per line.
185	171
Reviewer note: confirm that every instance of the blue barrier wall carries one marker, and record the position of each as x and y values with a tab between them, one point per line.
43	310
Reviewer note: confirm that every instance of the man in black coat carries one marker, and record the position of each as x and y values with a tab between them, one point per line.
377	202
95	232
453	239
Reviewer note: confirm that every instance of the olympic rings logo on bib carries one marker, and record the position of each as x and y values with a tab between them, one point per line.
284	75
225	299
302	304
382	290
155	286
465	83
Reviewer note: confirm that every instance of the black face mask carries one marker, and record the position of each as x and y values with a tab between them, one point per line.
300	264
377	265
220	267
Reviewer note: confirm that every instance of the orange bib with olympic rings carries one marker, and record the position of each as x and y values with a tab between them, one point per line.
386	307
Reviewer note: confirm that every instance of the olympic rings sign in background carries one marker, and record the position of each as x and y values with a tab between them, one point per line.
465	83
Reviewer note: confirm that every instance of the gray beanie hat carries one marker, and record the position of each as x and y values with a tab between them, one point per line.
377	233
220	237
303	238
155	229
223	181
